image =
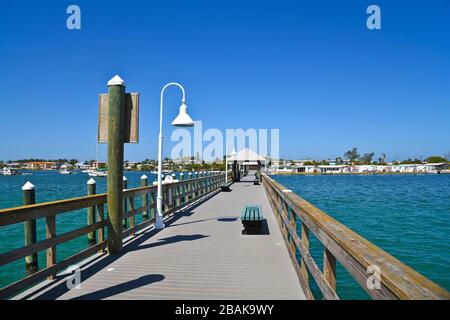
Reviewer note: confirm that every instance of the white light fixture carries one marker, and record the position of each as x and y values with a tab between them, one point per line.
182	120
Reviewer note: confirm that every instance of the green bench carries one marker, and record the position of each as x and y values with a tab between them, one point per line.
252	218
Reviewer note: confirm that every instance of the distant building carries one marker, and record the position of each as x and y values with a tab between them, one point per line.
41	165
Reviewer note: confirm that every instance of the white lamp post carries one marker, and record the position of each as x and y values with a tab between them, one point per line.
182	120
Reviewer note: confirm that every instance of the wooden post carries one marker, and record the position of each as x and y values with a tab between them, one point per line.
132	218
50	232
174	192
329	268
125	203
305	246
91	190
101	218
29	197
201	183
234	171
116	116
258	172
144	183
182	190
189	187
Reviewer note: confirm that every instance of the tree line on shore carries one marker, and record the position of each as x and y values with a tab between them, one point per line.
353	157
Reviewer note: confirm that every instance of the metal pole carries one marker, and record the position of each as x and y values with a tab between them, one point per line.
159	223
91	190
116	115
29	197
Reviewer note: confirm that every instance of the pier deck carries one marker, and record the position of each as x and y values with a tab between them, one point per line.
201	254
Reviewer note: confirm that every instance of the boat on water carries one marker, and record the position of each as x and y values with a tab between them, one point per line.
65	171
9	172
98	173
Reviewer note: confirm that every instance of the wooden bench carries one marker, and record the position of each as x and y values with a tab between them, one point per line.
252	218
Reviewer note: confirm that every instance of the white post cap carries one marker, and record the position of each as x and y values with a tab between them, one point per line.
181	174
174	175
91	181
124	178
116	81
144	177
28	186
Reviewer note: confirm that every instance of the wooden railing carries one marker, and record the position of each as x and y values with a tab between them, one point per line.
175	196
364	261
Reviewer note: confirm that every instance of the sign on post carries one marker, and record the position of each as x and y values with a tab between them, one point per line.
131	126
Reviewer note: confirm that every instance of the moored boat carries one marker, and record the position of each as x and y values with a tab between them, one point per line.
9	172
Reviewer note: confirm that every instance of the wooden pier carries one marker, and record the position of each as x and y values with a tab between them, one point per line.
202	253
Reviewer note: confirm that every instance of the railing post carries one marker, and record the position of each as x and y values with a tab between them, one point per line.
29	197
188	186
305	247
293	222
174	192
144	183
329	268
153	204
116	120
181	190
91	190
125	205
195	185
50	232
132	218
101	218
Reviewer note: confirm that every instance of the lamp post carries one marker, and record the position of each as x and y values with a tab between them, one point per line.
182	120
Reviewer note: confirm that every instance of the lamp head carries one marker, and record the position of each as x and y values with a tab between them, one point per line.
183	119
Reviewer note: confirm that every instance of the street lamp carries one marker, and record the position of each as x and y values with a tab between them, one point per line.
182	120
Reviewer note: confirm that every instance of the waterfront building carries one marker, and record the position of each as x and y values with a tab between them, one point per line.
41	165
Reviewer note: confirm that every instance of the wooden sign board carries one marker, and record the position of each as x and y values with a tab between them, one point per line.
131	127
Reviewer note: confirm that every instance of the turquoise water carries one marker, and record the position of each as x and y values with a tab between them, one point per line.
50	186
406	215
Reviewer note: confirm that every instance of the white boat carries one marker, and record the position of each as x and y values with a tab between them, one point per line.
65	171
97	173
9	172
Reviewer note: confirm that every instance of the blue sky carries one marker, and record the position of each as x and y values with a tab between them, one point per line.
310	68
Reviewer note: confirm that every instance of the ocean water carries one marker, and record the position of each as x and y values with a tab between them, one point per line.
408	216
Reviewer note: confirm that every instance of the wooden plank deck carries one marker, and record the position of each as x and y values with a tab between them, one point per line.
201	254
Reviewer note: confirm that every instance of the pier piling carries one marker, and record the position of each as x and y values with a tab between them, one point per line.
125	205
29	197
91	190
144	183
116	116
